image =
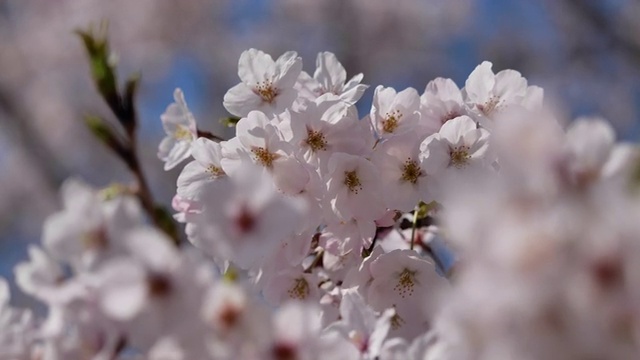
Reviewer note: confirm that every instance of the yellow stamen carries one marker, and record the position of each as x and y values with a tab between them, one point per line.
264	157
266	90
411	171
406	283
490	106
316	140
215	171
352	181
390	122
459	156
182	133
300	289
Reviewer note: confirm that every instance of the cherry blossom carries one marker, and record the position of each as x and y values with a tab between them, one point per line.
180	127
260	141
405	174
459	147
205	170
89	229
461	224
361	325
330	77
323	128
267	85
408	283
354	188
248	221
487	94
395	112
441	101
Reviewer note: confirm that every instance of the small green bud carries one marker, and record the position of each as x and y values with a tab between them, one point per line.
103	70
230	121
114	191
424	209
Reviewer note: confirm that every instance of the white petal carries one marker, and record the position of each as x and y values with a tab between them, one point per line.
255	66
240	100
480	82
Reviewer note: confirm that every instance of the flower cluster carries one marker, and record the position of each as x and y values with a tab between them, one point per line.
315	234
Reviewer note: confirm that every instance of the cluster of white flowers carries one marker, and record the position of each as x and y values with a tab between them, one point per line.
315	234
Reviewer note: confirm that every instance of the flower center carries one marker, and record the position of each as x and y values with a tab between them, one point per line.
95	239
390	122
264	157
490	106
396	321
300	289
267	91
352	181
229	316
459	156
449	116
182	133
215	171
284	351
316	140
245	221
159	285
411	171
406	282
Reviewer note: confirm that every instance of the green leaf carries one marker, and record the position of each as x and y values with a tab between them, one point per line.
104	75
102	70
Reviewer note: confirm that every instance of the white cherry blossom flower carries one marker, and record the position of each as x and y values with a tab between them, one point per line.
323	128
352	235
235	319
594	155
44	279
394	112
260	142
409	283
246	221
292	284
180	126
406	176
291	253
89	229
458	146
155	290
295	333
360	324
204	170
354	188
488	94
267	85
338	259
329	78
441	101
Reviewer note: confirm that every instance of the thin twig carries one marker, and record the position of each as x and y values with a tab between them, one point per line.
209	135
414	226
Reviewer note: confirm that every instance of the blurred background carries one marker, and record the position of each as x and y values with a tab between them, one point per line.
584	53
